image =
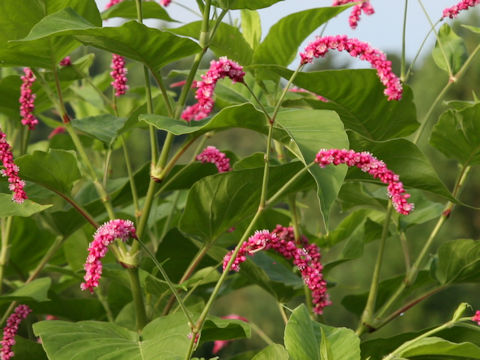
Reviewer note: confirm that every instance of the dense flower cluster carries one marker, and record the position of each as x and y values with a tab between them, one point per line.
104	236
354	17
118	73
11	329
220	344
218	70
476	317
212	155
11	170
356	48
27	99
368	163
66	61
453	11
295	89
307	259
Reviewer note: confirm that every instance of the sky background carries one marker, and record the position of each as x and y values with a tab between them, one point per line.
382	30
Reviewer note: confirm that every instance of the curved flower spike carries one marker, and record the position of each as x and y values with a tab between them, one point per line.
453	11
218	70
11	329
212	155
11	170
119	75
104	236
354	17
368	163
27	99
356	48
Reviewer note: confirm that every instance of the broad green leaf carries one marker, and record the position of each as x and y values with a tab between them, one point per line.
450	49
251	27
56	169
73	309
354	195
103	127
27	349
312	130
344	344
245	4
458	261
228	41
163	338
457	135
434	346
425	210
274	351
280	46
26	209
128	9
325	350
357	96
345	229
35	291
405	159
216	328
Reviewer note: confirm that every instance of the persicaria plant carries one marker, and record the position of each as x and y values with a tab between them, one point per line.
177	190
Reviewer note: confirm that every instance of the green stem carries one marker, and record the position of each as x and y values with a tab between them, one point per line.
410	68
289	183
163	89
260	333
146	209
282	313
406	252
258	102
106	167
6	226
133	187
136	288
404	31
266	169
285	90
79	208
104	302
369	310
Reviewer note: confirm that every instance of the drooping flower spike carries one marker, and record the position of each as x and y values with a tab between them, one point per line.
204	94
104	236
356	48
220	344
453	11
476	317
11	329
212	155
354	17
368	163
11	170
27	99
306	259
119	75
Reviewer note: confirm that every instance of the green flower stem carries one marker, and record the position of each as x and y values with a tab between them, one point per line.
414	61
406	252
106	167
258	102
266	169
104	302
63	110
404	32
284	92
6	226
146	210
260	333
141	315
80	209
158	78
133	187
282	313
369	310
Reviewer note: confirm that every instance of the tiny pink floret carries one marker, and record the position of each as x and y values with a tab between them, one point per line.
11	329
11	171
354	17
212	155
362	50
306	259
368	163
165	2
119	75
476	317
66	61
452	12
204	94
104	236
27	98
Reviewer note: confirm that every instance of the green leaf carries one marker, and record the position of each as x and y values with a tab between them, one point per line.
34	291
450	48
228	41
280	46
425	210
251	27
434	346
458	261
312	130
274	351
56	169
457	135
245	4
344	343
27	349
345	229
163	338
26	209
103	127
128	9
357	96
224	329
325	351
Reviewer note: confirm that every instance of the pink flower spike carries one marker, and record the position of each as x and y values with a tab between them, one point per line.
354	17
212	155
218	70
104	236
356	48
11	329
165	2
27	99
368	163
11	170
66	61
119	75
177	84
453	11
220	344
476	317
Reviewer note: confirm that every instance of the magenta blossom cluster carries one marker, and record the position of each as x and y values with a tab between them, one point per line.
476	317
27	99
212	155
295	89
204	94
119	75
369	163
66	61
11	329
220	344
104	236
354	17
11	170
356	48
307	259
453	11
165	2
